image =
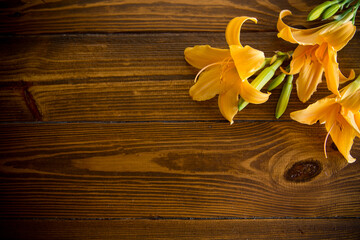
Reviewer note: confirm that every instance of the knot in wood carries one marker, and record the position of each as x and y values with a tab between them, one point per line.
303	171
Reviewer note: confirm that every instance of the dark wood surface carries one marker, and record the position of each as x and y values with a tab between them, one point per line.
330	229
64	16
133	170
126	77
99	138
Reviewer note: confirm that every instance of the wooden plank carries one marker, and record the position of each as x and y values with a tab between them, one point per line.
143	101
102	58
145	75
13	105
182	229
60	16
202	170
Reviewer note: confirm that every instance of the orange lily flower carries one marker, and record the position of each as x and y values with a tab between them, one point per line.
225	71
341	117
317	53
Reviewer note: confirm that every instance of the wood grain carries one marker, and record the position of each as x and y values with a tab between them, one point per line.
126	77
97	58
112	16
150	170
100	140
94	58
166	100
13	105
288	229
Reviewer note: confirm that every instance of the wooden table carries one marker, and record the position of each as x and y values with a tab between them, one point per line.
100	139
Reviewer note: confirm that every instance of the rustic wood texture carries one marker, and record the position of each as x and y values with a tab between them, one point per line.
289	229
99	138
14	105
149	170
66	16
145	75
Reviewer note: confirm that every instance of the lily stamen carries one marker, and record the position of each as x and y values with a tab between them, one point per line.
224	67
204	68
326	138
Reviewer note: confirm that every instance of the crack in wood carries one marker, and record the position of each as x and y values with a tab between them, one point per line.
30	101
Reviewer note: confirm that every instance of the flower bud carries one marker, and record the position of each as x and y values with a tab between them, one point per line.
276	82
330	11
318	10
273	59
284	97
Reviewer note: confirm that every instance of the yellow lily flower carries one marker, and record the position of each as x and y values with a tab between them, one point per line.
316	54
341	117
225	71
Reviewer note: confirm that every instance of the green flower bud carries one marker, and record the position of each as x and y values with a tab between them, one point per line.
284	97
318	10
276	81
330	11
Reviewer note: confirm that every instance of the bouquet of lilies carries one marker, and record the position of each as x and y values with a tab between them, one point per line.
226	72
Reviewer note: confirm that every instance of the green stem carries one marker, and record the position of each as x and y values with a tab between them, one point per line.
347	3
355	11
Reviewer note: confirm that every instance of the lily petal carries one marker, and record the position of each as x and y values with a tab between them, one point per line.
357	120
344	79
228	103
208	84
350	96
327	55
232	32
333	33
247	60
309	77
298	59
229	78
251	94
342	133
331	68
350	117
320	51
317	111
339	37
201	56
293	35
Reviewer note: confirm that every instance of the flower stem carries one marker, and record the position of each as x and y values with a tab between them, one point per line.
355	11
349	14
